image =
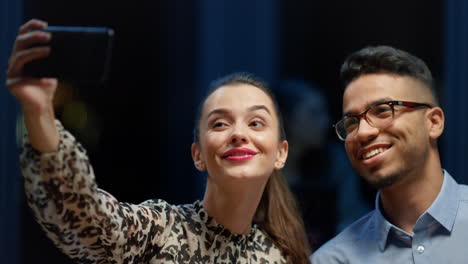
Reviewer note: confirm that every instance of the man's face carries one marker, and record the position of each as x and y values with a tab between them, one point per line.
385	156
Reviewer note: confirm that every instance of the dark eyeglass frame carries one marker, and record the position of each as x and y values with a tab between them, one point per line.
392	104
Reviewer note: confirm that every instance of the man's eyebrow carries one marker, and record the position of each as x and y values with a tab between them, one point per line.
369	104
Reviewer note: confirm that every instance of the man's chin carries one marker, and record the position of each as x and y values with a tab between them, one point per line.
380	178
380	181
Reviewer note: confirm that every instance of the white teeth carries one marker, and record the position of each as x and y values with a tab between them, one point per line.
372	153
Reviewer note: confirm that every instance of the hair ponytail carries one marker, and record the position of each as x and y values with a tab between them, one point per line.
279	216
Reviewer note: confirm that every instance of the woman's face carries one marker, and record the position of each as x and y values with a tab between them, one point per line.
239	135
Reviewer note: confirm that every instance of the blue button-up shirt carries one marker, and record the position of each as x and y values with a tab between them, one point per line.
440	235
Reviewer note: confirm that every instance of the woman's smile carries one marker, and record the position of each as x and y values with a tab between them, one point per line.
239	154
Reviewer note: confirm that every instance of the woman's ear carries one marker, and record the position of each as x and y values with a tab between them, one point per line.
436	121
282	155
197	158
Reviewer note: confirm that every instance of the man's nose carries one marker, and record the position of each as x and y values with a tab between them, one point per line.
366	131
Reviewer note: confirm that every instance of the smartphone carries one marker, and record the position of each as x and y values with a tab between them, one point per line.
77	54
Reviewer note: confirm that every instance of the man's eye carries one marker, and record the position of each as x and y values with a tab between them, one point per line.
350	124
381	111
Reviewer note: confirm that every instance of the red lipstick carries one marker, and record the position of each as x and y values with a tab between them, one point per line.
239	154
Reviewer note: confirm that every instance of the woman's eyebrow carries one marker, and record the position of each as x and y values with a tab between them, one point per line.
220	111
258	107
223	111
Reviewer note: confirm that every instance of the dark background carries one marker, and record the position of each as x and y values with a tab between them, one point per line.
137	127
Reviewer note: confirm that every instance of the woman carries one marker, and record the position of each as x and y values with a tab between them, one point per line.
247	215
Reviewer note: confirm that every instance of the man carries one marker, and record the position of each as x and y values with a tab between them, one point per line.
390	129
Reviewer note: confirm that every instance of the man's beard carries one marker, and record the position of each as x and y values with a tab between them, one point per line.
386	181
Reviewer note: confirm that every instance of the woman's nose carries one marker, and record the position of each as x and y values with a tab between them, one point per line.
238	135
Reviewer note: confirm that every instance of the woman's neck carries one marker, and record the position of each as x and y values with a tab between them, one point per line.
233	206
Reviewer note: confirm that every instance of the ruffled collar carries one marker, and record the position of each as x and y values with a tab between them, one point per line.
219	229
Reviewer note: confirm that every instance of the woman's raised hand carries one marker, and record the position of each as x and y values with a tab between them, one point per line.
34	94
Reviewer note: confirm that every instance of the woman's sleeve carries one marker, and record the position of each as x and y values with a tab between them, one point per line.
87	223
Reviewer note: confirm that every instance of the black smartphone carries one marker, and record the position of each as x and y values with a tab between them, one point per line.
77	54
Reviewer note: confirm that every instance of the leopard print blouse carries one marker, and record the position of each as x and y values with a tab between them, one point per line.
91	226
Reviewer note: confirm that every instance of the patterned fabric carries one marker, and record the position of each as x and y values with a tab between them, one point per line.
91	226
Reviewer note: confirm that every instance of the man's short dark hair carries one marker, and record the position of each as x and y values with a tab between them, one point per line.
386	59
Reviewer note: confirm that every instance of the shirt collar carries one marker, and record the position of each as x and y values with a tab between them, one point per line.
443	210
382	226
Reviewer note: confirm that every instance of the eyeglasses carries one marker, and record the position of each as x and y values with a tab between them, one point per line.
379	116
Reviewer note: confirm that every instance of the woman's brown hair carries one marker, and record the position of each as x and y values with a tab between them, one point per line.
277	214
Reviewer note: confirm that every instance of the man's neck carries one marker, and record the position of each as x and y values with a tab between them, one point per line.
405	201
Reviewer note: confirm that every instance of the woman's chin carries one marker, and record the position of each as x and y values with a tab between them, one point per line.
244	175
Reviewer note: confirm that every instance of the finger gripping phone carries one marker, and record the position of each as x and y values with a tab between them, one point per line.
80	54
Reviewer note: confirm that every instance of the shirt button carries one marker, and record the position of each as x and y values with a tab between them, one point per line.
420	249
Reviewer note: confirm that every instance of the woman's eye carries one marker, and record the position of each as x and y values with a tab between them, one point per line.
218	125
257	123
